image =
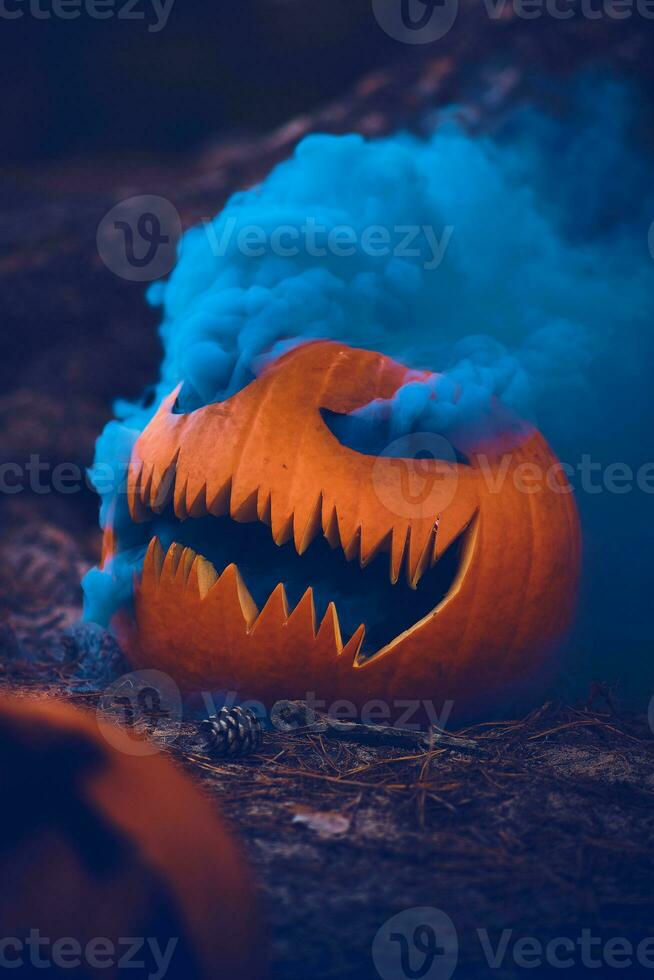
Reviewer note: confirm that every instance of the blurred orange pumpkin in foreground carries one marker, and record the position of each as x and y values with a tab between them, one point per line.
433	578
99	845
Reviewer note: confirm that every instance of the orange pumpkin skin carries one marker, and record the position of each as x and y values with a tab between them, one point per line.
99	842
266	454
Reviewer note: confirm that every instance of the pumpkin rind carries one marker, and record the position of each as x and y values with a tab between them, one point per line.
102	842
267	454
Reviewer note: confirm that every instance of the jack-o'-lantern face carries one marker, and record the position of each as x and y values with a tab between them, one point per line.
282	561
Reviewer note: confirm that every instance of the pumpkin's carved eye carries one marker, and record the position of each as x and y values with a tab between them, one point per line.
373	436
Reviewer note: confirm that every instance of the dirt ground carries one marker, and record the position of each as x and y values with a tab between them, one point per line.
544	830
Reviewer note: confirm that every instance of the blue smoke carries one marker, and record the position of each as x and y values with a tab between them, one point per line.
517	266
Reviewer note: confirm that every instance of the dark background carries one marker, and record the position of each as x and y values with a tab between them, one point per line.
103	87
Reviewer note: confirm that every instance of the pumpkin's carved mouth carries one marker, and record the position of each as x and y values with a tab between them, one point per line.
372	603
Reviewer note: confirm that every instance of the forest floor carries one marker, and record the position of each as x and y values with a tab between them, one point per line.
542	833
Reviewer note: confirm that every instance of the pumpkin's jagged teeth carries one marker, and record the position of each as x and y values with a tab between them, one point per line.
353	646
243	503
202	576
281	521
227	599
162	486
421	551
372	545
154	561
219	498
303	617
181	512
185	564
162	491
138	511
264	506
274	613
196	504
352	547
434	541
303	523
306	523
160	567
172	560
398	548
330	526
145	484
349	533
451	524
230	594
329	631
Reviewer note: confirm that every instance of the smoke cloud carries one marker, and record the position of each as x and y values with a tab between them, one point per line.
516	265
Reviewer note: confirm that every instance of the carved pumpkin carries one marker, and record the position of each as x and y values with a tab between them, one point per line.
478	582
99	844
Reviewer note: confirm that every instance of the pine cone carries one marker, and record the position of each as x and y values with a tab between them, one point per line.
233	732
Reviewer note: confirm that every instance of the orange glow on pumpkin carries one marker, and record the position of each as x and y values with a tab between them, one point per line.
267	455
99	841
